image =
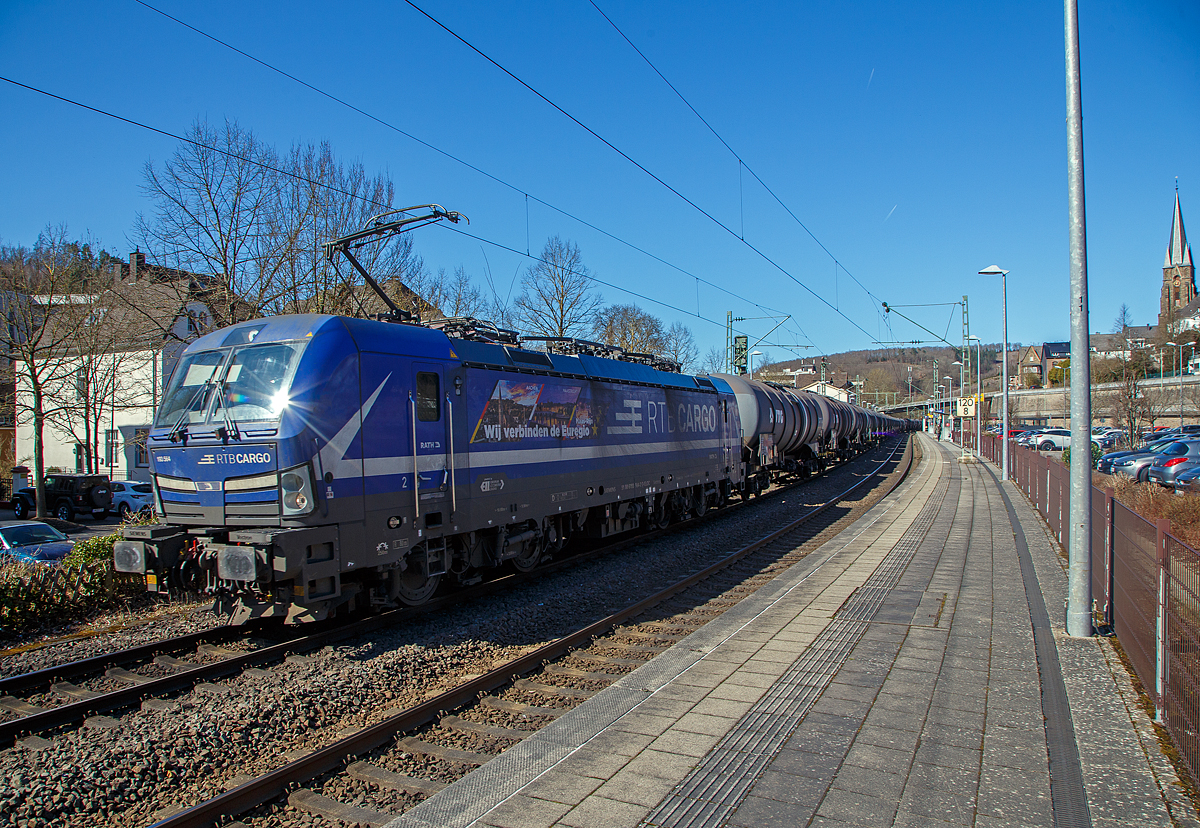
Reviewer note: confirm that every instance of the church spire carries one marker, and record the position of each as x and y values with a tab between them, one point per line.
1179	252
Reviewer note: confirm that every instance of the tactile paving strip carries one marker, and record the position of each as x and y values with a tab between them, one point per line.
718	784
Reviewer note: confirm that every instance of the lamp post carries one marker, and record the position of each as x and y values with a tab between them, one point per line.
949	406
1179	354
978	394
753	354
995	270
962	386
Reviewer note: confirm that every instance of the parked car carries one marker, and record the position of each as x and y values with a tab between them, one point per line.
1107	460
1136	464
1185	481
1052	439
34	543
1175	458
131	497
67	495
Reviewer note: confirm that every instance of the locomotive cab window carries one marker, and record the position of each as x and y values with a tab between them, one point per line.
429	408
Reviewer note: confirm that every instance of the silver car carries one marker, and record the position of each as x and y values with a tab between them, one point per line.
1107	464
1175	458
1136	464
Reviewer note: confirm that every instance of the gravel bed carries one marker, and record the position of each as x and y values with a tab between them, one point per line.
106	634
123	776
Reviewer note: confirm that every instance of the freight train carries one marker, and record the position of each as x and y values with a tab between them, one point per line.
308	464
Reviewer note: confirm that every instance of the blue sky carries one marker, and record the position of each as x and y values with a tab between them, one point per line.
918	142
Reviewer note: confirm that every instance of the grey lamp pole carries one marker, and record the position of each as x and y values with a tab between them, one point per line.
994	270
1079	553
962	388
978	395
949	406
1181	386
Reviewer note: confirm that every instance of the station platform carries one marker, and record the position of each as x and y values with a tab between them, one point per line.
913	671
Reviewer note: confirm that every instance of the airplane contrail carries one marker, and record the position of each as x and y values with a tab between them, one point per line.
889	215
872	76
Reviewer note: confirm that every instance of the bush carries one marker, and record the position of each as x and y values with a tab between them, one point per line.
1096	453
1153	502
87	550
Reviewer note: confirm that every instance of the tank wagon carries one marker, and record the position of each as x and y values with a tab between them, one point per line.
308	463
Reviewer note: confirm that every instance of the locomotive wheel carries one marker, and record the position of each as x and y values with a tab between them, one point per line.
416	588
530	557
662	514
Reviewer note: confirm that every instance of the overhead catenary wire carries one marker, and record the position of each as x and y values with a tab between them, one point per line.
357	196
450	156
741	161
637	164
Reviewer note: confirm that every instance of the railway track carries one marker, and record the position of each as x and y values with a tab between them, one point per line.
58	697
461	728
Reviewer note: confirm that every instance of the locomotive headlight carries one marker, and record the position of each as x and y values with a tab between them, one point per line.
297	491
129	556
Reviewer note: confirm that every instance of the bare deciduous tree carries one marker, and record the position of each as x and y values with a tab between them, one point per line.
714	361
557	299
230	207
679	346
629	328
43	314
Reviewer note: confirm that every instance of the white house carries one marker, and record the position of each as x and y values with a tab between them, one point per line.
103	390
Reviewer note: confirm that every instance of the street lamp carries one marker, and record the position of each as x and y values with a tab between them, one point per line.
978	395
963	385
949	406
1179	354
995	270
753	354
941	410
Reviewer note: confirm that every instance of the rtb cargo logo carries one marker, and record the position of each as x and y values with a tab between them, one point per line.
632	415
238	458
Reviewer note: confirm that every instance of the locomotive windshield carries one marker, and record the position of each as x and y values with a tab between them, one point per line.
251	384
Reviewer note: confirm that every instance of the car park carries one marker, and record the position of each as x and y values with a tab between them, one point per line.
67	496
131	497
34	543
1178	457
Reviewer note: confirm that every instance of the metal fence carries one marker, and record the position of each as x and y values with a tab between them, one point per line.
1145	586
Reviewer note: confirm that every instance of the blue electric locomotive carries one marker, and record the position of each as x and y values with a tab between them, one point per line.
283	460
308	463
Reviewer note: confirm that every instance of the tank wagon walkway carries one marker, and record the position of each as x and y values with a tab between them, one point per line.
912	671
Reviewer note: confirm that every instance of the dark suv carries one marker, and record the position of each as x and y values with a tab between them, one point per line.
67	495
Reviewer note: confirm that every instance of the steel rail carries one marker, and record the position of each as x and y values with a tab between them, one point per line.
117	658
276	782
77	712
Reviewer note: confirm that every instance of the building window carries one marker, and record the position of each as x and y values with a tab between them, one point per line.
112	446
141	457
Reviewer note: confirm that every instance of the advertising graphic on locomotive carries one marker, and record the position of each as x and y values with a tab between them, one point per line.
305	463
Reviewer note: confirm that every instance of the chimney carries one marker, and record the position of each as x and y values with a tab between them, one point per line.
137	265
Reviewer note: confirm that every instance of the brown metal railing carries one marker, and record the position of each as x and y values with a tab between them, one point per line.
1145	586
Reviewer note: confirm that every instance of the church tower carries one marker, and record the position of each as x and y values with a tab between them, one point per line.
1179	283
